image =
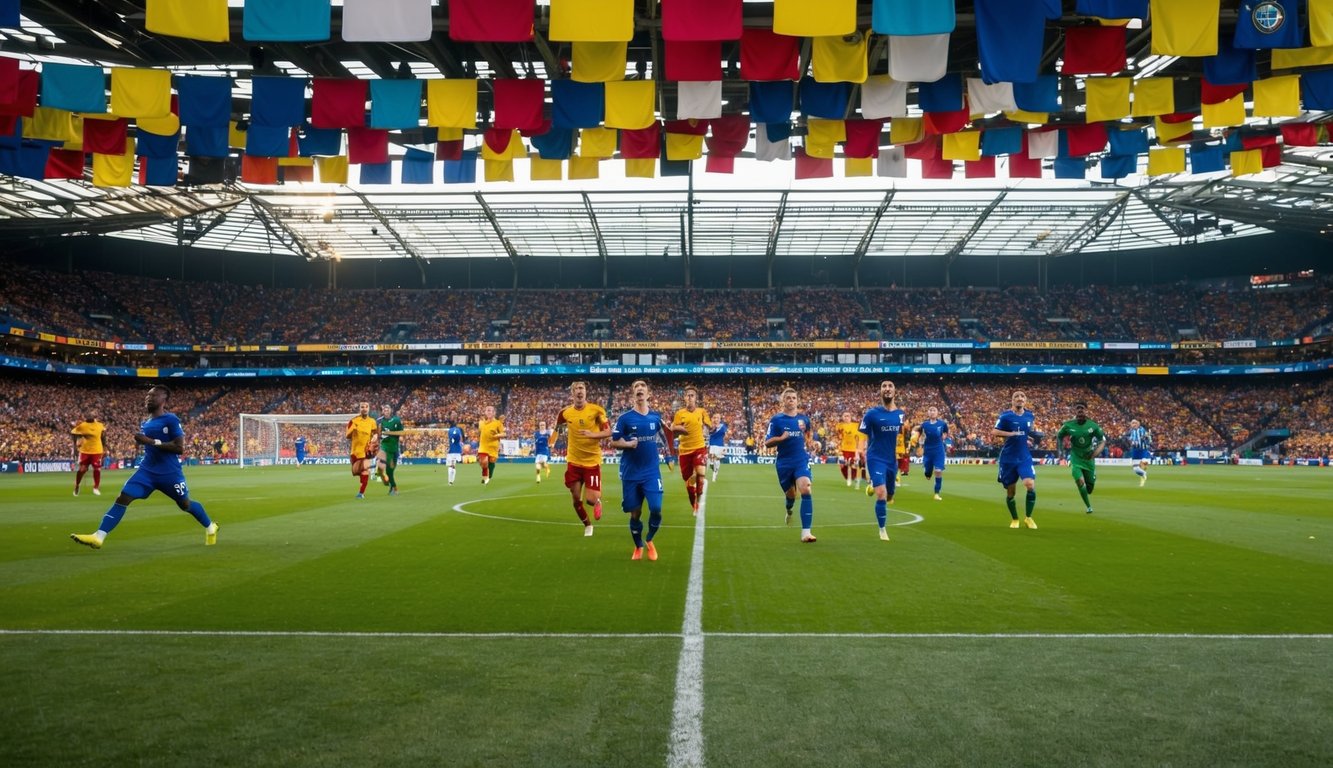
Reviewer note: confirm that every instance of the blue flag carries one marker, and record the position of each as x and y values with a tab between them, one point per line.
771	101
577	105
1205	158
206	141
1119	166
278	100
462	170
943	95
418	167
1231	65
267	140
1040	95
203	100
74	87
395	103
377	173
1270	24
319	142
826	100
1070	168
1128	142
1001	141
555	144
286	20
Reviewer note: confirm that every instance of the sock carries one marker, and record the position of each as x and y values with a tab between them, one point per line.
844	468
1013	506
1031	502
939	483
699	488
654	522
364	479
1090	483
881	512
392	482
807	511
490	468
112	518
485	471
689	490
636	530
1083	492
452	472
791	502
197	510
97	476
79	477
578	510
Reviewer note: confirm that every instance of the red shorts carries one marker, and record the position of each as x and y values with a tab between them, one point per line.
90	459
849	457
904	464
689	461
489	458
355	459
591	477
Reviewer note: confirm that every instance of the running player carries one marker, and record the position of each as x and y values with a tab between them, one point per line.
489	431
690	423
717	445
1018	426
361	433
931	437
848	442
789	431
637	434
904	458
586	426
87	436
883	427
541	450
391	428
299	444
1085	442
454	457
1140	447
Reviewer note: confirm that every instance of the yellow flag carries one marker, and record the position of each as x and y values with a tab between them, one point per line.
76	143
853	167
823	136
1226	113
598	62
114	170
584	168
451	103
905	130
514	150
640	168
296	162
597	142
1247	162
1154	96
597	21
1023	116
162	126
1321	23
235	136
804	18
629	104
1290	58
140	92
1164	160
499	170
1278	96
449	134
836	60
195	19
332	170
1108	98
684	146
547	170
1171	131
51	124
964	145
1184	27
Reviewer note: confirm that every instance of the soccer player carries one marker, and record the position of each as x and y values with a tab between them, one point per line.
1085	442
903	458
1017	426
789	432
300	450
883	427
391	428
164	442
690	422
541	450
1140	447
848	444
931	437
636	434
717	445
87	436
455	455
361	432
489	431
586	426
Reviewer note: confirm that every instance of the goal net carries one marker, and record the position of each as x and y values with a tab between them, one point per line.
267	439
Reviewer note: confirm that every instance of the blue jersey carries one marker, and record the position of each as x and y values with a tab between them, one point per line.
165	428
792	450
1270	24
455	440
1138	438
932	435
1016	449
882	427
300	445
541	443
640	463
718	436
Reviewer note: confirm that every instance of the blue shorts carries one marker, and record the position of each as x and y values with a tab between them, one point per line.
300	456
932	461
1011	473
787	474
1139	453
882	472
142	484
634	492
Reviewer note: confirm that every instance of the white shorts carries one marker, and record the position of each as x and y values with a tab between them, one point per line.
453	458
541	458
717	451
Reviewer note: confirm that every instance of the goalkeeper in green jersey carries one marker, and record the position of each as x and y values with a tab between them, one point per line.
1085	442
391	428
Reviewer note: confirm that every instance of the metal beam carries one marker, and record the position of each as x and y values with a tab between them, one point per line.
868	236
959	246
282	232
388	226
597	232
499	232
1093	227
771	252
1156	207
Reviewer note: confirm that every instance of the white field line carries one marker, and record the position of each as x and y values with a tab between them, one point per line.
686	749
245	633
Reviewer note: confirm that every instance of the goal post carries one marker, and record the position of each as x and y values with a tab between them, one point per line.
269	439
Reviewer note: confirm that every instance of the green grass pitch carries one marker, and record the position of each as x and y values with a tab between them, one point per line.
1189	622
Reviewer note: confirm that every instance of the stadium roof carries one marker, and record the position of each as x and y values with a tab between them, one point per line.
759	210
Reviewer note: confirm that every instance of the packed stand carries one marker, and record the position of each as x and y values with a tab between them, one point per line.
732	314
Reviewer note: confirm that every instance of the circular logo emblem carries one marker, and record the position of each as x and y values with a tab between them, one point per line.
1268	17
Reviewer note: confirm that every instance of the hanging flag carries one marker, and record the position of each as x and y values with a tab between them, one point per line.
1167	132
840	58
49	124
313	142
157	146
332	170
367	146
1317	90
585	168
772	101
519	103
912	17
892	164
65	164
577	105
267	140
73	87
1153	96
376	173
196	19
1009	39
641	168
1270	24
1020	166
1108	98
772	143
1231	65
338	103
1001	141
1247	162
729	135
140	92
630	104
701	19
1299	134
206	141
985	98
946	122
693	60
203	101
719	164
1321	23
114	170
451	103
680	146
462	170
386	21
883	97
802	18
1225	114
1040	95
1291	58
823	136
768	56
598	21
542	169
9	79
26	161
906	130
1070	168
499	170
555	144
26	99
857	167
936	168
1128	142
1094	50
598	62
9	14
491	21
921	59
828	100
1113	9
1118	166
1207	158
418	167
943	95
808	167
601	142
158	171
862	138
641	144
395	103
964	145
699	101
1184	27
277	100
288	21
1085	139
981	168
503	144
1043	144
105	137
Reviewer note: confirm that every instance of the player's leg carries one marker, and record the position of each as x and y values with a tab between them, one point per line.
700	475
880	473
1030	500
537	464
451	462
807	505
592	489
631	502
687	474
381	466
484	464
179	491
363	466
654	499
1090	476
574	482
391	464
1008	477
1079	471
787	481
80	470
97	474
139	486
844	467
1143	472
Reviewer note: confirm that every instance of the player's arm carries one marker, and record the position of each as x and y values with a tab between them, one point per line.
772	439
619	442
600	434
351	428
997	432
676	426
811	446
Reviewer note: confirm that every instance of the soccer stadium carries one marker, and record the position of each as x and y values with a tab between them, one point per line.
666	382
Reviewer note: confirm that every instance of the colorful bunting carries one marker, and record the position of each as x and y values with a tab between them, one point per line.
9	14
645	168
376	173
643	143
105	137
630	104
73	87
1256	26
1317	90
65	164
114	170
541	169
1225	114
49	124
451	103
1009	39
986	98
681	146
463	170
693	60
892	163
883	97
1108	98
862	138
828	100
338	103
920	59
1153	96
277	100
601	142
1001	141
194	19
1321	23
519	103
981	168
773	101
808	167
1277	97
768	56
367	145
332	170
964	145
25	101
699	101
577	105
856	167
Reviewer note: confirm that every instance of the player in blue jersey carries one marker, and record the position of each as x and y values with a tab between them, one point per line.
790	432
454	456
300	450
931	436
541	450
637	434
1018	428
882	427
717	445
164	443
1140	449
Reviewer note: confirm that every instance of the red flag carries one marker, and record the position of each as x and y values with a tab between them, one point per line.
1023	167
720	164
105	137
338	103
491	21
643	144
26	100
497	139
812	167
449	150
688	127
297	173
1085	140
730	135
1300	134
367	145
946	122
1094	50
64	164
518	103
1178	117
922	150
936	168
693	60
701	20
259	170
863	138
980	169
1216	94
9	80
1272	155
766	55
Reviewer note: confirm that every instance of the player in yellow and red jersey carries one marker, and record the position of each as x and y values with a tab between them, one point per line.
586	425
693	424
361	432
489	431
905	447
88	441
849	438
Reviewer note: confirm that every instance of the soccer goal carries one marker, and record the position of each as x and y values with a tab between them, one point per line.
267	439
